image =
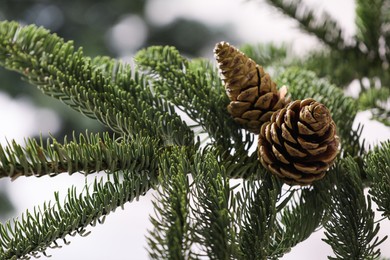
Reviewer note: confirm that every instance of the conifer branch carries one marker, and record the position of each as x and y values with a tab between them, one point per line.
335	65
298	220
38	230
370	23
195	88
377	169
97	91
87	154
239	164
375	99
200	210
258	222
350	230
171	237
215	209
266	54
325	28
357	144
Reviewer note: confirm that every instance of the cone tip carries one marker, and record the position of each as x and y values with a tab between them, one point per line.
219	46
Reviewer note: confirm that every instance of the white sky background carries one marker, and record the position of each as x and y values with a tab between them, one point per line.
122	236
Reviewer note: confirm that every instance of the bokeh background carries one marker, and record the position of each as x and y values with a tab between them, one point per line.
119	28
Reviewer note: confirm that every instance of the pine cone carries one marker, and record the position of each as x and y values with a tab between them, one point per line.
253	95
299	143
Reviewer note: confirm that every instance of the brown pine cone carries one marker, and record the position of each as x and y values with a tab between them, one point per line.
299	143
253	95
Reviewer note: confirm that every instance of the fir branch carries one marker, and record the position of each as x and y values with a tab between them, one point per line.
97	91
357	144
303	84
87	154
171	237
266	54
324	27
258	217
369	22
298	220
38	230
214	209
373	97
239	164
195	88
350	230
376	99
336	65
377	168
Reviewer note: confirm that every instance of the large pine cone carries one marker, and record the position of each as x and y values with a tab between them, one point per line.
299	143
253	95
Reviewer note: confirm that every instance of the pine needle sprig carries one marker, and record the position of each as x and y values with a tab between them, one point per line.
370	23
87	154
258	222
214	209
171	237
59	70
198	211
376	99
323	26
38	230
194	87
377	169
350	229
238	164
298	220
266	54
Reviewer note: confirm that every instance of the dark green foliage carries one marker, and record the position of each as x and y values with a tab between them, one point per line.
258	218
298	221
37	230
60	71
81	21
86	154
199	213
193	87
366	55
214	209
336	65
90	23
324	27
376	99
350	230
97	88
171	237
369	20
377	168
266	55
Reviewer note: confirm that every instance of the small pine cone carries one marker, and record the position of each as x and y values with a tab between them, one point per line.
253	95
299	143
